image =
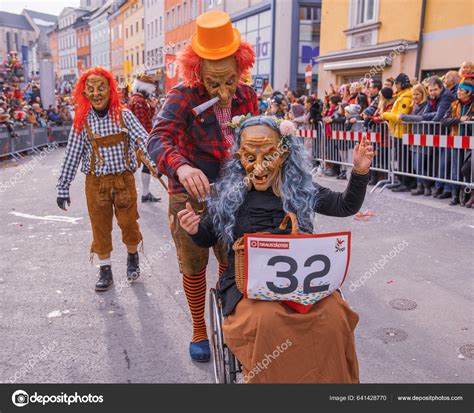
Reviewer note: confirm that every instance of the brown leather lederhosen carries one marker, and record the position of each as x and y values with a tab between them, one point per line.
111	193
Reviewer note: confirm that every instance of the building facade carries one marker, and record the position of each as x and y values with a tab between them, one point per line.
134	40
83	42
54	49
180	25
100	36
116	17
155	38
381	38
16	34
67	43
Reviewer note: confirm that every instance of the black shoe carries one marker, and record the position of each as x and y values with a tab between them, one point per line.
437	192
454	200
427	191
105	278
418	191
133	268
150	198
401	188
444	195
342	175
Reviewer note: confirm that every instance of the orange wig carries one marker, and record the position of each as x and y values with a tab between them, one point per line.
189	64
82	104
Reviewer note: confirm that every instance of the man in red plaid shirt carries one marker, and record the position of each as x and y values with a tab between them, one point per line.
143	107
191	149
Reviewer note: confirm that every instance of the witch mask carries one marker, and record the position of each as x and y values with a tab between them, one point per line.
262	155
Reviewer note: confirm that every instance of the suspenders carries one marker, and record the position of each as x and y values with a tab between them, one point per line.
107	141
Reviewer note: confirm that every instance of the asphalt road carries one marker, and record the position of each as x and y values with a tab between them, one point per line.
55	328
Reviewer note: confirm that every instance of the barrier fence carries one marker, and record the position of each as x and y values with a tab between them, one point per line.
30	138
426	151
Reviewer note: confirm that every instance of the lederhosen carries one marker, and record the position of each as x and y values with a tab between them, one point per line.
112	193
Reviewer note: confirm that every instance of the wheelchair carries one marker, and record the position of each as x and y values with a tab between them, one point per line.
227	369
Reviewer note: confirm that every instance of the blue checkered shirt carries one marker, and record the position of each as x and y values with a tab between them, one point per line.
79	147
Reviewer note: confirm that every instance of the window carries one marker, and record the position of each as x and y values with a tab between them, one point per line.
138	58
210	4
126	32
161	24
143	23
131	30
178	16
120	30
173	21
136	27
143	57
168	20
185	17
364	11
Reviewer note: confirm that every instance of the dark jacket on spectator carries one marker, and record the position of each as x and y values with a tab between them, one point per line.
436	109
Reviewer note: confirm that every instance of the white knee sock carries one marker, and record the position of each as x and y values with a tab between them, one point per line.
105	261
146	183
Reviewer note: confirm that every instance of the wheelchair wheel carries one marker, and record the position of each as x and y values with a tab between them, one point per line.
217	338
226	366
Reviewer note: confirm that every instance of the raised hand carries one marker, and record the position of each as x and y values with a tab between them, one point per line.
363	155
189	220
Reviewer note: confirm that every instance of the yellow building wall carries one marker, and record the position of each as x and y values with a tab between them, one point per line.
400	19
135	43
448	14
334	20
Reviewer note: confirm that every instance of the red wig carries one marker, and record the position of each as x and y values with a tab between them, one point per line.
83	105
189	64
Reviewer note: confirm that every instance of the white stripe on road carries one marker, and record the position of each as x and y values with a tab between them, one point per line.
70	220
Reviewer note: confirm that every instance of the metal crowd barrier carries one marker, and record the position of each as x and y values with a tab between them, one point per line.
423	150
430	151
30	138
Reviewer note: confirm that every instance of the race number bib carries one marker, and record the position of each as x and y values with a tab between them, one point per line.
299	268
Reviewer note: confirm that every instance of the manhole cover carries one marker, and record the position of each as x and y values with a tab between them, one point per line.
391	335
403	304
467	350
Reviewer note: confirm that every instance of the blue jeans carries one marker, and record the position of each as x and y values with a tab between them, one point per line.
449	165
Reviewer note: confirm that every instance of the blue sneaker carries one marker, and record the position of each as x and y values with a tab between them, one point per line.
200	351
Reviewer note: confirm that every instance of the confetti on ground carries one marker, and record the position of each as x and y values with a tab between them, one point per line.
148	294
390	282
364	216
55	313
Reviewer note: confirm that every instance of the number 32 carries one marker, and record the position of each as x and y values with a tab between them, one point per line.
289	275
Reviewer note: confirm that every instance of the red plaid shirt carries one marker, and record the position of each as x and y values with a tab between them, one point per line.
142	110
179	138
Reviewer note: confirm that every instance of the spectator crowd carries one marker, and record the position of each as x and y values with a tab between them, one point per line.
363	106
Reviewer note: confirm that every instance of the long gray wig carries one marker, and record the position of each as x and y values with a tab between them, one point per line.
298	193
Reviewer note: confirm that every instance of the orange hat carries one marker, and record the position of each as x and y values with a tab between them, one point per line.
215	37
